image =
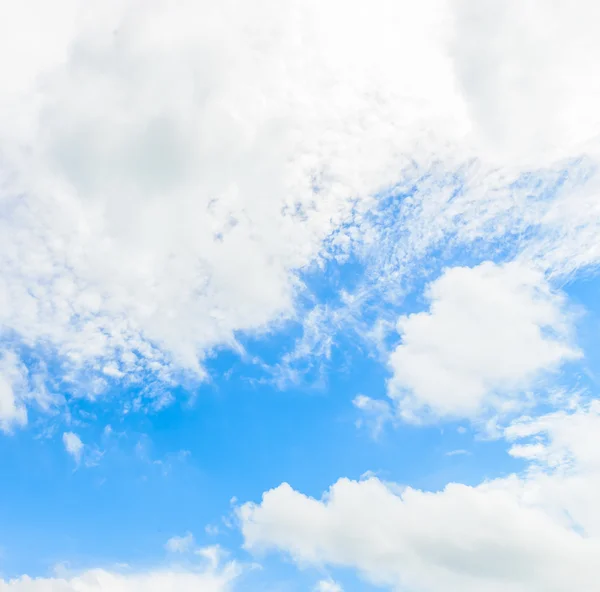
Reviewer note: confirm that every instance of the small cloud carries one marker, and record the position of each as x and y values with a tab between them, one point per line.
457	452
328	586
228	522
112	370
212	554
180	544
73	445
212	529
93	457
377	413
141	449
183	454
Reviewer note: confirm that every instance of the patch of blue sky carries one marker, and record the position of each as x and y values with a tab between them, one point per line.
239	437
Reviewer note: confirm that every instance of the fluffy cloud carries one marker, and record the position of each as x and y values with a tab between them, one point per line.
180	544
73	445
167	173
211	574
328	586
104	581
523	68
489	331
535	532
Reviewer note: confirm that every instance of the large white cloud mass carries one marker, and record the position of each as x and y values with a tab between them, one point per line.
168	170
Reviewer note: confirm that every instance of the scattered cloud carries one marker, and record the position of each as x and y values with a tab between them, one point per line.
180	544
73	445
539	531
457	452
212	529
213	554
376	413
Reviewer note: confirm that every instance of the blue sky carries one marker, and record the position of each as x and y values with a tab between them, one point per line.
299	296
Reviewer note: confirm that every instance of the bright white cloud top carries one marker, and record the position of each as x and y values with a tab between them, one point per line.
73	445
489	332
204	204
536	532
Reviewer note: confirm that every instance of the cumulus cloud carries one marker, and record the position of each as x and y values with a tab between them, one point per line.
73	445
539	531
489	332
99	580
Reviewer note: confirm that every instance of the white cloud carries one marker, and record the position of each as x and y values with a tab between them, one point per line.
328	586
212	554
12	389
167	176
569	240
489	332
524	68
180	544
99	580
73	445
162	168
539	532
376	413
457	452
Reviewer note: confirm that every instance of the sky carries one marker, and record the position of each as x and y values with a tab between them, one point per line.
299	296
